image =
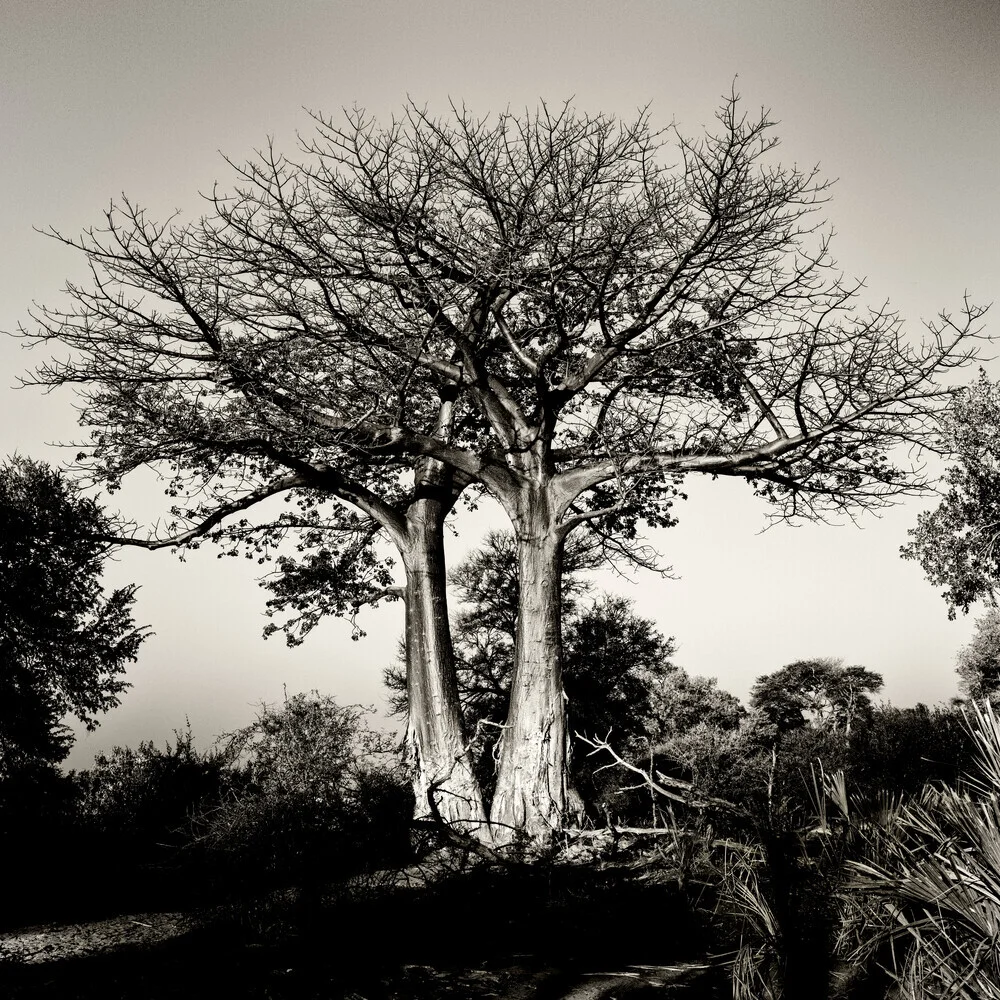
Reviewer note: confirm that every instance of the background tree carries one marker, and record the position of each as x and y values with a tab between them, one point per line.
64	642
542	304
958	542
979	662
820	693
681	702
484	627
616	662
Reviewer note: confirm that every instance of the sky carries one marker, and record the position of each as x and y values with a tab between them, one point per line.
898	100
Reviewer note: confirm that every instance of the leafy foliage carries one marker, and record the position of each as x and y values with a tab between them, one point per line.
930	889
109	839
41	833
958	542
148	795
899	750
321	795
822	693
979	662
336	569
64	643
307	793
682	702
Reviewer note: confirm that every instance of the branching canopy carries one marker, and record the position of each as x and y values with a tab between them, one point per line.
551	295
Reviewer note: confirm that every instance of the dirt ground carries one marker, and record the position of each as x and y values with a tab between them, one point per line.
130	957
519	938
56	942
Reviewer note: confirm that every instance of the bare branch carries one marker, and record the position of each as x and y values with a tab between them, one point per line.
670	788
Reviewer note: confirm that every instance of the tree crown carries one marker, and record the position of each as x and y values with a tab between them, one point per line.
552	295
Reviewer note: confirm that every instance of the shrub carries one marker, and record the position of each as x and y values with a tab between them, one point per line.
37	826
901	749
134	817
322	796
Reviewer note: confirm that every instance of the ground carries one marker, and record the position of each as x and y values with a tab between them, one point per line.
577	934
57	942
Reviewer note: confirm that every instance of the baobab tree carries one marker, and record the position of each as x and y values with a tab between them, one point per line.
570	312
184	367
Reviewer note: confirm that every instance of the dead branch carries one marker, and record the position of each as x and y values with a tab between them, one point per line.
658	782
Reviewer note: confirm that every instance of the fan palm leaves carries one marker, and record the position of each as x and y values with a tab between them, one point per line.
926	900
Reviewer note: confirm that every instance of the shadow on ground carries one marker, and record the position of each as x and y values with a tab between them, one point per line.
514	934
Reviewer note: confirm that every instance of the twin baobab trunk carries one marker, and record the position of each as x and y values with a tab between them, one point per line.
444	783
532	793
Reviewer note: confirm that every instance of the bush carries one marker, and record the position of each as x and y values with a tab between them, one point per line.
321	797
134	814
38	811
307	794
149	795
926	898
901	749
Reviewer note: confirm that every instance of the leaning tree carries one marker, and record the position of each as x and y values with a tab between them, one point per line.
570	312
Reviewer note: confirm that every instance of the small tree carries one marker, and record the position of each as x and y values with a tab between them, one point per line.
64	642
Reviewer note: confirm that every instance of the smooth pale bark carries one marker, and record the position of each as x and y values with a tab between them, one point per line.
442	769
532	793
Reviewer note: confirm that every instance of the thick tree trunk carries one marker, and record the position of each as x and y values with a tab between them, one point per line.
444	783
532	792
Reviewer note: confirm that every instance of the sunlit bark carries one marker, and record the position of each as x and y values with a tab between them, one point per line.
532	794
443	781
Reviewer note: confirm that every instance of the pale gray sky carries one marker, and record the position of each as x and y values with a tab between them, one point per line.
898	99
